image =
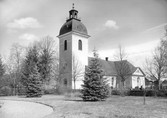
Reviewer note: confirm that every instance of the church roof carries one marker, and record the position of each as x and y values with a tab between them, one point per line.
110	67
73	25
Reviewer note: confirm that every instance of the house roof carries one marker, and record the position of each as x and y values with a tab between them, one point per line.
110	67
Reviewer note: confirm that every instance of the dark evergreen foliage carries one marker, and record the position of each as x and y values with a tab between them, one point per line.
45	66
30	75
34	84
95	86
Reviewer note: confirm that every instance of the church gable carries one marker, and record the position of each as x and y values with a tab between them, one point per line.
138	72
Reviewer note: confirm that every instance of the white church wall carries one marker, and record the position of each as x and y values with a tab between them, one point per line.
78	83
65	55
134	81
81	56
65	58
138	81
111	81
142	80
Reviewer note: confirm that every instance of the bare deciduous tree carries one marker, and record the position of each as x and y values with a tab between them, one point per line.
77	71
122	67
48	59
13	64
155	67
120	54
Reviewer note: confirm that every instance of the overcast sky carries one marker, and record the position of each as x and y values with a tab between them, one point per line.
135	24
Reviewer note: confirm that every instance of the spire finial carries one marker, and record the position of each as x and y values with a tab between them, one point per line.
73	6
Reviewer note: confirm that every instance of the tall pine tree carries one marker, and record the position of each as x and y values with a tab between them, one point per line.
30	75
95	86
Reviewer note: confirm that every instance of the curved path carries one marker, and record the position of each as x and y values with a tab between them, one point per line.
20	109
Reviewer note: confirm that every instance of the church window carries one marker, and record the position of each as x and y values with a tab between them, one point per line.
65	82
79	45
65	45
112	81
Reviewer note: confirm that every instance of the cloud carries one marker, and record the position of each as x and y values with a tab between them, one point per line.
29	37
111	24
24	23
11	9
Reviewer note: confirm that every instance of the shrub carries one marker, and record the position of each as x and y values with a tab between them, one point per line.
162	93
5	91
50	91
73	94
136	92
22	90
116	92
150	92
62	89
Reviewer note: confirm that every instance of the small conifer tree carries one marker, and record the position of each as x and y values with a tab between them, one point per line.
34	85
95	87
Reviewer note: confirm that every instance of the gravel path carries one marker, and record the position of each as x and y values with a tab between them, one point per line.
20	109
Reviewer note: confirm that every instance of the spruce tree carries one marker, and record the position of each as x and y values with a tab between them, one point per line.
30	75
34	85
95	86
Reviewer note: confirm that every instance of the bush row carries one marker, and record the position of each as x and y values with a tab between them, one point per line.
160	93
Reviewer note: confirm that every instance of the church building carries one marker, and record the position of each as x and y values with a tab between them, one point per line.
73	56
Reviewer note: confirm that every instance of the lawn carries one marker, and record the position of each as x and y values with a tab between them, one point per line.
113	107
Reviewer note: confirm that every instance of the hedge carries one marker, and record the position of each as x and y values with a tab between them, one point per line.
136	92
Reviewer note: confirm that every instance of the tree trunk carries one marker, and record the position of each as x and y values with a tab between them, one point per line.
144	98
74	84
122	88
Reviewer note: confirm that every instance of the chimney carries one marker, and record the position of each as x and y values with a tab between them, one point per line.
106	58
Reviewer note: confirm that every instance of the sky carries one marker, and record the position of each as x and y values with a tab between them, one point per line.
137	25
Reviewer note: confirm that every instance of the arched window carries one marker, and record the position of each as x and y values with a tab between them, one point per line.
65	82
79	45
65	45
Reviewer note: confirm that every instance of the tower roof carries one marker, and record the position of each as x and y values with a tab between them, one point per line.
73	23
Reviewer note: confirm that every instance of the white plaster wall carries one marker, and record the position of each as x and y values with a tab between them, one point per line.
78	83
80	55
114	86
65	59
142	81
134	81
139	83
65	56
72	50
109	79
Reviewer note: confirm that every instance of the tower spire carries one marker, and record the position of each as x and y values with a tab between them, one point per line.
73	6
73	14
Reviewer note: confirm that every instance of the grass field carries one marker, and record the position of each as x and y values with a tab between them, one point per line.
113	107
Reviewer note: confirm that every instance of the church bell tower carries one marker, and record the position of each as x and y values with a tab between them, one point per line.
73	51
